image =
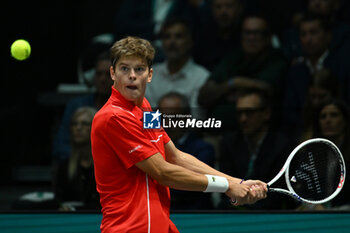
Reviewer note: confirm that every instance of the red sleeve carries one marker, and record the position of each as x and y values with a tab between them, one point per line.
166	137
128	140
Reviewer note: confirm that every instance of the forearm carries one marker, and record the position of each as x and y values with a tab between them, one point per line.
178	177
191	163
241	193
184	172
172	175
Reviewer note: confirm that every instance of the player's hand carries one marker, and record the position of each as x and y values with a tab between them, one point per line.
247	192
238	193
258	190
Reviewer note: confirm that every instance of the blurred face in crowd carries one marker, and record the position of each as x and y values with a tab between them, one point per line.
177	42
332	121
314	39
103	81
318	95
226	12
322	7
81	128
255	37
130	76
252	117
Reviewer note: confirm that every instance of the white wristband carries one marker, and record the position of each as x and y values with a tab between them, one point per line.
216	184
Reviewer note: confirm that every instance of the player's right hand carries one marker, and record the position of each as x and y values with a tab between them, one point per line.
247	192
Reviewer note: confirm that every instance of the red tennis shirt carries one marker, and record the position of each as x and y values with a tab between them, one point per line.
131	200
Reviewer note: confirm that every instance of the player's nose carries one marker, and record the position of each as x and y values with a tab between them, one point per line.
132	74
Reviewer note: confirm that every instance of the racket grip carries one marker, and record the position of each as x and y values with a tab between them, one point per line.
268	188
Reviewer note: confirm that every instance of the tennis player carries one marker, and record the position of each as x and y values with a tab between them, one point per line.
135	167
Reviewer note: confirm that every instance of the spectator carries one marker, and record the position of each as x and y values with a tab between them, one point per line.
256	65
323	87
103	84
178	73
279	13
190	142
315	37
328	11
333	124
220	27
255	149
144	18
74	182
325	8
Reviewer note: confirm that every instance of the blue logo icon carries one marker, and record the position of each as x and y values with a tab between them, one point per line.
151	120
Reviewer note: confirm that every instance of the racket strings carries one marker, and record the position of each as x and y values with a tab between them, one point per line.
314	171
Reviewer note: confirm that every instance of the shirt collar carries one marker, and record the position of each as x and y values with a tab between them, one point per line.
119	100
319	64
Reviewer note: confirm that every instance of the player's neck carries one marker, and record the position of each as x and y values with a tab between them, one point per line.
138	102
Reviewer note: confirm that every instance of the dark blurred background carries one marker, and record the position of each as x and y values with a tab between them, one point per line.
31	107
31	92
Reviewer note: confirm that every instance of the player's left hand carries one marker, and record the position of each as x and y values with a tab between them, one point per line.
258	190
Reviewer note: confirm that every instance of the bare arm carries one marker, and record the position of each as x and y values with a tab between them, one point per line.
178	177
175	156
244	193
184	172
172	175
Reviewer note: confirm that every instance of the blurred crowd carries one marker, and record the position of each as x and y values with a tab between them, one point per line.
275	73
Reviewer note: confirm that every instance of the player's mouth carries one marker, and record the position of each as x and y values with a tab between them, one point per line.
131	87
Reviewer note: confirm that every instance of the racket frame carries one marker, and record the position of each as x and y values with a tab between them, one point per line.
285	171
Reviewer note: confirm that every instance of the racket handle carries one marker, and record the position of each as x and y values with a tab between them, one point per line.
268	188
271	190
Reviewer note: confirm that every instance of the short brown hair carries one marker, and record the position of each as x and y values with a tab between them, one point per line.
132	46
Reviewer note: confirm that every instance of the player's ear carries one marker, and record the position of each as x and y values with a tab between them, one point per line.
112	73
150	74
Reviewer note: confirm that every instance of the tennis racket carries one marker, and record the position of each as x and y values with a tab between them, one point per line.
314	172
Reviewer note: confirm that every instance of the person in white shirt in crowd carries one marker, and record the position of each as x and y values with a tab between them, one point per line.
178	73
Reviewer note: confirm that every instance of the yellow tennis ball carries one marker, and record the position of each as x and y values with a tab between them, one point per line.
20	49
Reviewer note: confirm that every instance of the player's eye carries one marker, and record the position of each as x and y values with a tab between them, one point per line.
139	69
124	68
